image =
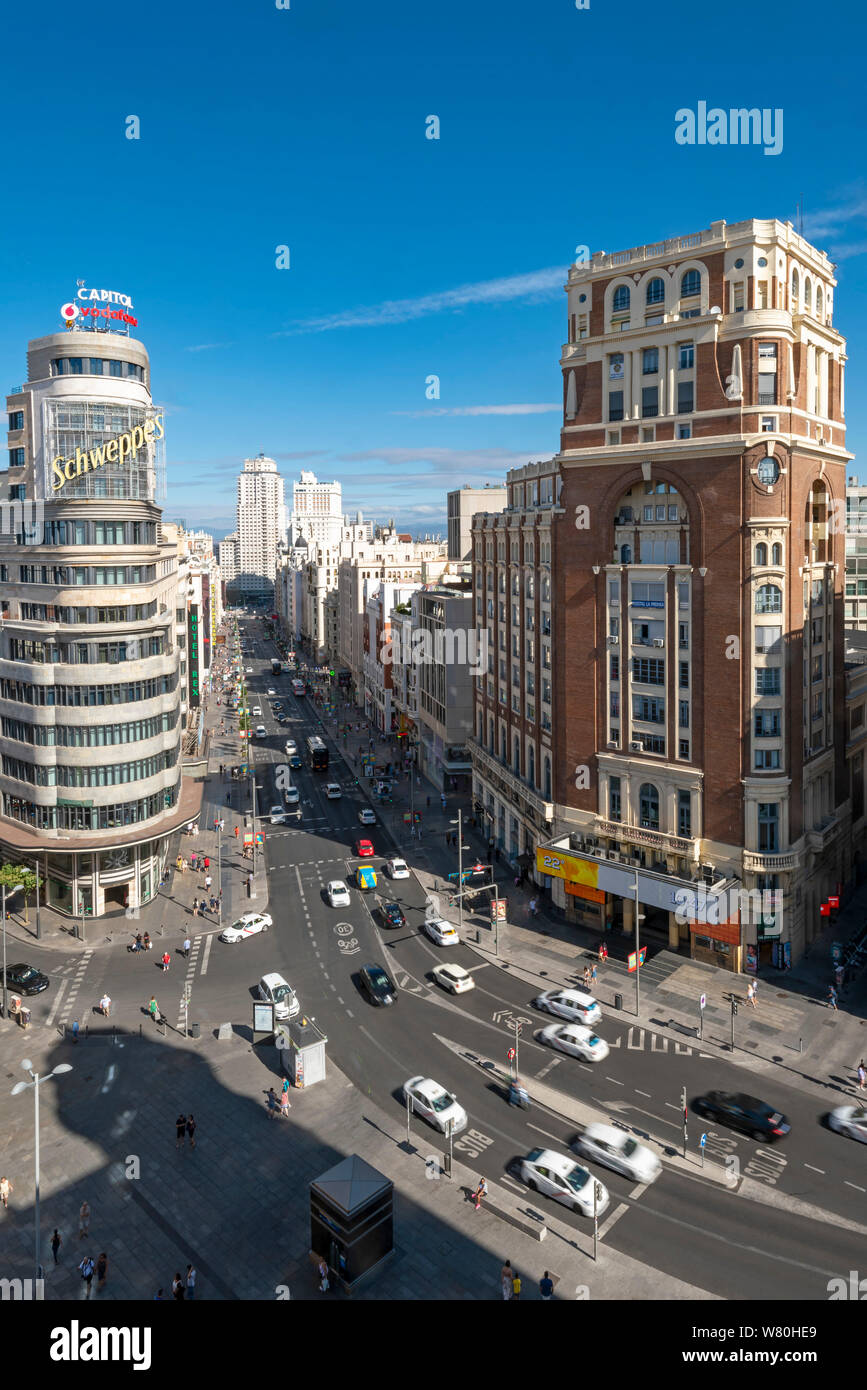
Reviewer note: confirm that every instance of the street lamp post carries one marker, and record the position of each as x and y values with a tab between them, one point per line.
14	889
38	916
36	1081
460	873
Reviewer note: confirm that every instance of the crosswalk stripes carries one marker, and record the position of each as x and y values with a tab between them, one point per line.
187	993
75	986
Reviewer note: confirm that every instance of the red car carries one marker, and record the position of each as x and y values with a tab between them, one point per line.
364	849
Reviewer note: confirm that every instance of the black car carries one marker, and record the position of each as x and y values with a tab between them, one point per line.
377	984
392	915
26	979
742	1112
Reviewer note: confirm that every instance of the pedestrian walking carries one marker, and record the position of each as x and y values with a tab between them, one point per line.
86	1271
506	1280
167	960
222	824
285	1107
546	1286
195	907
832	997
178	1288
480	1192
83	1219
534	908
5	1188
751	994
56	1242
322	1271
190	1281
181	1128
101	1270
192	1125
207	863
587	977
603	953
186	947
193	858
105	1006
516	1288
154	1010
862	1075
76	1029
593	974
273	1104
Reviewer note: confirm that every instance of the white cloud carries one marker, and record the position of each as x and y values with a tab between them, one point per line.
206	347
532	287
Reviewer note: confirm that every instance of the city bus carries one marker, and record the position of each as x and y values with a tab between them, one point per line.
317	754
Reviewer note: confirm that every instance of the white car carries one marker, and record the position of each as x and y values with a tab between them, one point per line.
576	1040
257	710
437	1104
291	796
290	747
569	1003
332	791
338	894
271	690
555	1175
278	815
261	731
249	670
441	933
366	816
396	868
850	1120
248	925
618	1150
453	978
275	990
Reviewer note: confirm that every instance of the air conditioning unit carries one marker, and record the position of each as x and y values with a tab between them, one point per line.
612	743
659	641
612	854
612	641
636	746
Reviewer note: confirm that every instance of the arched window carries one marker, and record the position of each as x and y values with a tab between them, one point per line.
621	298
761	553
776	554
516	584
769	599
531	587
690	284
516	756
547	778
808	295
546	588
648	806
531	766
819	301
626	555
656	291
796	288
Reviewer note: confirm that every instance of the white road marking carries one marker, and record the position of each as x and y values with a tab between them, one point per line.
555	1137
856	1187
815	1170
643	1093
616	1082
56	1005
613	1218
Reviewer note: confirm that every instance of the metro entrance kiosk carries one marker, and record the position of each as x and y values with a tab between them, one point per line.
302	1047
352	1219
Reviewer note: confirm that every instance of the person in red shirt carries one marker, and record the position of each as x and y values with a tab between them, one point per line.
167	960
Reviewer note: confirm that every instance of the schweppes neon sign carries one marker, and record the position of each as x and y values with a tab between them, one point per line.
121	450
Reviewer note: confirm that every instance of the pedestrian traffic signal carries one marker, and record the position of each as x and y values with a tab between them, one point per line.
734	1007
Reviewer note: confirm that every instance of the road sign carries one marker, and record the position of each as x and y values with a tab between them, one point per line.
833	900
511	1054
630	959
703	1140
498	909
702	1001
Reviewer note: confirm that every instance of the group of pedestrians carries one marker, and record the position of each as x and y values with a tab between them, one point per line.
185	1128
278	1104
510	1283
183	1286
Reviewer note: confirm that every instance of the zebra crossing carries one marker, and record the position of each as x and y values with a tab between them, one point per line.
187	992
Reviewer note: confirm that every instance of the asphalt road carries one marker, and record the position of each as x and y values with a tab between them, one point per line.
720	1240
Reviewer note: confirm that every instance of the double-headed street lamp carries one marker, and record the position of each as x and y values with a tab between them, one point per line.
36	1081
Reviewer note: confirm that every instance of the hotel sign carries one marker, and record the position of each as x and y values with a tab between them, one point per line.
193	661
125	447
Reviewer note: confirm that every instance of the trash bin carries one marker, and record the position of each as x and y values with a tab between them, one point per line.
618	1001
195	1030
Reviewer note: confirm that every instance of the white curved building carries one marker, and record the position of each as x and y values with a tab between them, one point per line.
90	698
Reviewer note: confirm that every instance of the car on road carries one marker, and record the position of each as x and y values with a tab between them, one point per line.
337	893
616	1149
295	761
291	796
278	815
290	746
275	990
392	914
364	849
271	690
261	731
367	816
453	978
396	868
332	791
850	1120
439	1106
365	877
257	710
745	1113
25	978
555	1175
281	718
441	933
249	670
377	984
249	925
571	1004
575	1040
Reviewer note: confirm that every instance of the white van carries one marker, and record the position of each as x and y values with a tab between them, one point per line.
332	790
274	990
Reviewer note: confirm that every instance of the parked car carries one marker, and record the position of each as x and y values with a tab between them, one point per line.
377	984
745	1113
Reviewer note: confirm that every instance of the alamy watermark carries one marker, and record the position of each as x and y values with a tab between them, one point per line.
445	646
749	905
739	126
22	520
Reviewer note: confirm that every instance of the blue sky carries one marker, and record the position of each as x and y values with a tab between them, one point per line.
408	257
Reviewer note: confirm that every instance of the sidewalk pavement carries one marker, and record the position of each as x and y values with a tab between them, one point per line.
237	1207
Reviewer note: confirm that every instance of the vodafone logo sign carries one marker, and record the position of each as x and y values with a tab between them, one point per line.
69	311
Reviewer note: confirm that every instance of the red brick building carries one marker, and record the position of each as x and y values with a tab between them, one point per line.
695	537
